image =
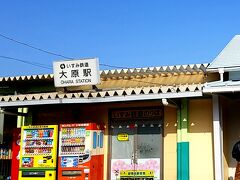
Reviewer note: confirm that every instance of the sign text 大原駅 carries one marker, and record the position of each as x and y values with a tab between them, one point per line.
76	72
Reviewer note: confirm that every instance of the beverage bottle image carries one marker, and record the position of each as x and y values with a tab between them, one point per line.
40	133
45	134
43	131
68	132
37	133
51	133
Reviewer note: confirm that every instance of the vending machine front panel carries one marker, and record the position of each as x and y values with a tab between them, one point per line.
76	154
38	152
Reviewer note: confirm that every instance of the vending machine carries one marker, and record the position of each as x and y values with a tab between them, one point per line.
38	152
80	152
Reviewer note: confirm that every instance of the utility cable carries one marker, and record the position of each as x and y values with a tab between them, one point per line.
52	53
36	48
111	66
56	54
146	82
26	62
49	67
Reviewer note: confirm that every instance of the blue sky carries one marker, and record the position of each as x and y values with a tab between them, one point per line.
124	33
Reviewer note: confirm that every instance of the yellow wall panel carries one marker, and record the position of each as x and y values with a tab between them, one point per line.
170	144
200	139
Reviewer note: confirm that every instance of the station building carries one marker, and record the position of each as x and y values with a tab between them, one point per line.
181	120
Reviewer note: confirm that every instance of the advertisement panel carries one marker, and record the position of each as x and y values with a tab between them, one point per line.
145	168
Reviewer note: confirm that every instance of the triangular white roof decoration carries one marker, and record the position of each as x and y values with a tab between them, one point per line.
229	57
139	91
178	69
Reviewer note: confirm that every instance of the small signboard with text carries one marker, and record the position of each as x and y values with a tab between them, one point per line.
76	72
122	137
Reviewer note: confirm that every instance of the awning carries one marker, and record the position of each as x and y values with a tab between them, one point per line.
128	94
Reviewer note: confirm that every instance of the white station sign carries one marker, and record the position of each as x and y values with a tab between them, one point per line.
76	72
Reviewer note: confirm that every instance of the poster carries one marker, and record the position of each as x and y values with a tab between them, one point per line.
143	165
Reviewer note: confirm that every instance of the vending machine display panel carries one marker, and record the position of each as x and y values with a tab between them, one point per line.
80	154
38	152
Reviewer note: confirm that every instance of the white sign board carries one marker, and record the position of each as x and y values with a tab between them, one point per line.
76	72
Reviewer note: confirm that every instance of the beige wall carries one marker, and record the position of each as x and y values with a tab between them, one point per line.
200	139
170	144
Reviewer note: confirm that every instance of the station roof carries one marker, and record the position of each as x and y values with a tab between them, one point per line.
229	61
229	57
148	91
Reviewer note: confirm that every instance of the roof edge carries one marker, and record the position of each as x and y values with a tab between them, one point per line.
158	69
226	69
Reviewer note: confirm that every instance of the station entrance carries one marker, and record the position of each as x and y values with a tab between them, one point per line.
136	144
